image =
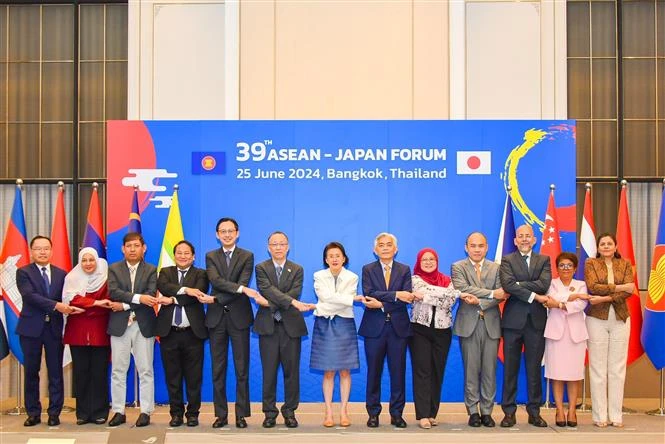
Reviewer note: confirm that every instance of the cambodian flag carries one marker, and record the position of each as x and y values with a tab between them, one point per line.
653	329
15	254
135	215
94	229
587	235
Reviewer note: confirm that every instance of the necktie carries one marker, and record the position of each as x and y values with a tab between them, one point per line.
46	280
526	260
277	315
477	267
387	275
177	320
228	257
132	276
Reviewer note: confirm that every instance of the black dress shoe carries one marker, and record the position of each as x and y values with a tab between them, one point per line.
269	423
81	421
53	420
474	420
508	420
291	422
101	420
117	419
241	423
192	421
373	421
398	422
537	420
176	421
32	420
220	422
143	420
487	420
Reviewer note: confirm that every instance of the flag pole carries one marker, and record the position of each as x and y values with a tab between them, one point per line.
661	410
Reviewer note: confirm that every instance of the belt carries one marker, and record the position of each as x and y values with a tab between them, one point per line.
388	317
174	328
481	314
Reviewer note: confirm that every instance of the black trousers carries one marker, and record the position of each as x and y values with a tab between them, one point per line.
182	357
429	353
32	353
219	352
91	376
280	349
533	340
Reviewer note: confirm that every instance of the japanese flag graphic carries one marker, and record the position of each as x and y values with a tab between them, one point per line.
474	162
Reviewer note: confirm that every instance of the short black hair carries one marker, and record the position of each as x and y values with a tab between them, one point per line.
227	219
133	236
572	257
186	242
39	236
332	245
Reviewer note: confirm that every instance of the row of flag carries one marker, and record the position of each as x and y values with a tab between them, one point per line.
647	336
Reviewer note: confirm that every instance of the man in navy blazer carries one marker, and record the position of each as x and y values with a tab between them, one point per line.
385	326
40	325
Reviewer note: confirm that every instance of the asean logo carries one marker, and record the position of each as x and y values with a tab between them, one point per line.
208	163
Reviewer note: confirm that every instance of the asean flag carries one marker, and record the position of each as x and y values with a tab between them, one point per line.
208	162
474	162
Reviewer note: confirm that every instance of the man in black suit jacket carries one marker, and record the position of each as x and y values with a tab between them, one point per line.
386	328
40	325
280	326
181	327
526	277
132	286
228	318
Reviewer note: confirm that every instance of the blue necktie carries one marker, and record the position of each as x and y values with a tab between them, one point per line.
46	280
178	308
277	315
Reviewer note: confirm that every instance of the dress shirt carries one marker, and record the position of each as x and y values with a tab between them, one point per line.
181	291
136	299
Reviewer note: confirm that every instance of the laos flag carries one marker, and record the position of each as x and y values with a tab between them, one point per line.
653	329
14	255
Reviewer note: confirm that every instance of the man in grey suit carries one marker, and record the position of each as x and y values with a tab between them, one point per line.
280	326
132	286
478	325
526	276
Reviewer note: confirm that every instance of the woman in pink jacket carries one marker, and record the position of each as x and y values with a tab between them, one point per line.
565	336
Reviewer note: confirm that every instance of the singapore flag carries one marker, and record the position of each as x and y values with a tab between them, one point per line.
474	162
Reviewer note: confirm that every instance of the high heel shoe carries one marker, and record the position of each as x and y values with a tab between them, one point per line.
328	422
558	423
344	421
570	422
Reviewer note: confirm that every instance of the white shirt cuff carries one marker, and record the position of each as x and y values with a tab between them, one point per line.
136	299
125	306
240	289
532	297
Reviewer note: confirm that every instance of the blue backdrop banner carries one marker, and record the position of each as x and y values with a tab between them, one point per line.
428	182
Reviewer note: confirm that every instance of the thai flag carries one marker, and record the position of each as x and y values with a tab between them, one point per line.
653	329
587	235
135	214
94	229
15	254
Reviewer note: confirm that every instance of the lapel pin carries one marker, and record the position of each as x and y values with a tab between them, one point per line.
289	270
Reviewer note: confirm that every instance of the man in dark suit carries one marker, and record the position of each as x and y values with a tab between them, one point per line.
229	317
181	327
40	326
526	277
132	286
478	325
280	326
386	327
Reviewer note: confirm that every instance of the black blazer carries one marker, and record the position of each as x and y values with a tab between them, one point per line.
374	285
167	284
120	290
225	282
519	282
280	296
37	302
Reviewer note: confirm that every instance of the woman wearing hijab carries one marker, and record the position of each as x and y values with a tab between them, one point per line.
334	339
431	322
85	287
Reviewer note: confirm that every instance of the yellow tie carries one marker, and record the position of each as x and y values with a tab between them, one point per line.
477	267
387	275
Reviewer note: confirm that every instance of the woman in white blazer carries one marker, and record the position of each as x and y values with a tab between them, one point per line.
335	340
565	336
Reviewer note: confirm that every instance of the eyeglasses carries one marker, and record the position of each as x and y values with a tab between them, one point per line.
223	232
428	260
566	266
278	244
41	248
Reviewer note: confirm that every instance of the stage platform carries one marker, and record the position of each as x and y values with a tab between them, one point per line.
639	428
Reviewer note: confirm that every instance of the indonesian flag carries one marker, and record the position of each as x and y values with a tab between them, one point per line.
551	243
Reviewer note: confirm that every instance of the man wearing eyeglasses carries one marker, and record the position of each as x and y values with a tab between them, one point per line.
526	277
280	326
228	319
40	326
